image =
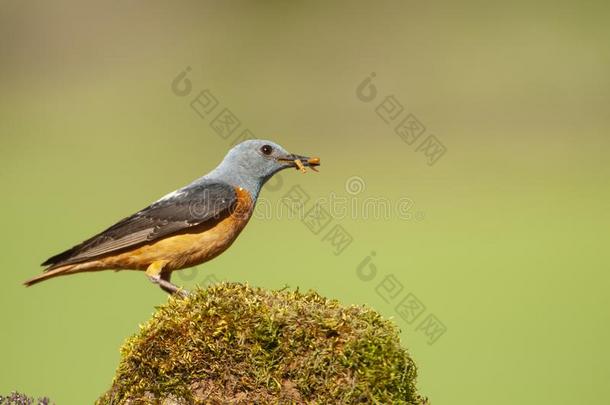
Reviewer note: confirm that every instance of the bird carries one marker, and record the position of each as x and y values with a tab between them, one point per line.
186	227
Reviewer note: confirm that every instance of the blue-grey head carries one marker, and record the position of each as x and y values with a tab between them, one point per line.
251	163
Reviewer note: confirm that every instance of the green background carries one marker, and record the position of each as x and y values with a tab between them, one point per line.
507	244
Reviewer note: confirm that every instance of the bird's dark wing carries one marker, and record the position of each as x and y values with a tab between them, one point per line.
183	209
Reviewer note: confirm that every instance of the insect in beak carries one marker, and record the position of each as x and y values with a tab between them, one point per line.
301	162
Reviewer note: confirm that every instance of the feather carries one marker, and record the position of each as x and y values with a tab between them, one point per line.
190	206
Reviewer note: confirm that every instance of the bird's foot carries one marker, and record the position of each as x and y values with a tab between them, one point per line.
168	286
157	276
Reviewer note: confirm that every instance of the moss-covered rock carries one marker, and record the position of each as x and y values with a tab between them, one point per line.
235	344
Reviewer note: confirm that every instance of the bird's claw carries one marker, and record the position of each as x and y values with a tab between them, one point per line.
169	287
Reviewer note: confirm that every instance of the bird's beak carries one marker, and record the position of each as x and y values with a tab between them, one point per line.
300	162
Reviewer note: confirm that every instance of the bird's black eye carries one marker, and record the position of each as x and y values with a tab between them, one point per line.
266	149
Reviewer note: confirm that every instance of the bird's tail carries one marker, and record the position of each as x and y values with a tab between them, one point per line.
62	271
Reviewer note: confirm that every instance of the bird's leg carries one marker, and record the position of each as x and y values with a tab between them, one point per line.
169	287
156	275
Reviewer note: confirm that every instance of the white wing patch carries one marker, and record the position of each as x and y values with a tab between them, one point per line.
173	194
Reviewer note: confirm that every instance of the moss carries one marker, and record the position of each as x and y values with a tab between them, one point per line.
17	398
235	344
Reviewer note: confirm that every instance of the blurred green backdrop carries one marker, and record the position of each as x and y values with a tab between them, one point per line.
506	244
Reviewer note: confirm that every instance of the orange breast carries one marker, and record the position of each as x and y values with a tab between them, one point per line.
194	246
